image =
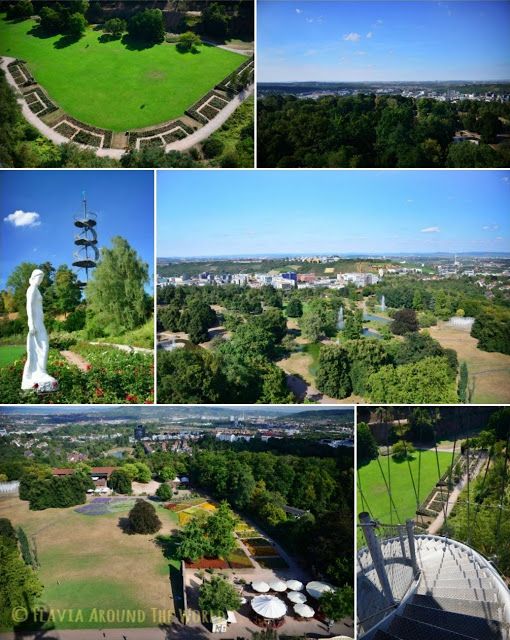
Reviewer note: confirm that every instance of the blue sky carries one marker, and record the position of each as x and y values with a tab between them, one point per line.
377	40
206	213
37	209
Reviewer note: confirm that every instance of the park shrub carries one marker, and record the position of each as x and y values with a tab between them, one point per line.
212	147
11	327
61	340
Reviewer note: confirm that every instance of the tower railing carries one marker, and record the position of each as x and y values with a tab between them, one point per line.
387	569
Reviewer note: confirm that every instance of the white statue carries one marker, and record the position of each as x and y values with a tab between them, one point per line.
35	376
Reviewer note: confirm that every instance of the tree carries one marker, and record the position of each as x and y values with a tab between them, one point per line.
50	20
120	481
193	544
353	325
167	472
76	25
219	530
188	41
274	387
164	492
115	26
366	445
18	281
428	381
217	596
294	308
404	321
333	371
115	292
463	383
67	291
317	321
20	587
214	20
402	450
366	356
20	10
189	376
147	26
337	604
143	518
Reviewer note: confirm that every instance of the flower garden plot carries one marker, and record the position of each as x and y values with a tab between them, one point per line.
114	377
104	506
238	559
208	563
273	563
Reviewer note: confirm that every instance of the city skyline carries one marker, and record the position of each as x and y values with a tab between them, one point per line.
383	41
37	210
329	212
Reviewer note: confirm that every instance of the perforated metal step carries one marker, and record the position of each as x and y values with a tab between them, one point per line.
405	629
476	608
456	622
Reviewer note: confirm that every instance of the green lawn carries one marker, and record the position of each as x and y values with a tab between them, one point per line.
10	353
374	488
107	84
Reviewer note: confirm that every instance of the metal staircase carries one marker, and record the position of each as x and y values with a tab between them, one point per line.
87	255
454	594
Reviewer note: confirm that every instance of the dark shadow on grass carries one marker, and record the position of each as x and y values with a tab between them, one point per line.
184	50
38	32
125	527
36	627
66	41
133	44
108	37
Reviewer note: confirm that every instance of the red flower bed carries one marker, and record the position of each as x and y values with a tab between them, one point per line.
207	563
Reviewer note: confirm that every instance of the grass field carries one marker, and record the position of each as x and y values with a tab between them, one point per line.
111	85
88	563
491	371
374	488
10	353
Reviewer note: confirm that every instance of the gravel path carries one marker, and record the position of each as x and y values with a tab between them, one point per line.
211	126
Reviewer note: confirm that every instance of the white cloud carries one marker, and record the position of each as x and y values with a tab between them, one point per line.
369	35
23	218
490	227
311	52
379	21
505	179
360	53
430	230
499	238
352	37
409	200
299	10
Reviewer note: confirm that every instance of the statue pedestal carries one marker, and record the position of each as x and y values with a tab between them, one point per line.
42	383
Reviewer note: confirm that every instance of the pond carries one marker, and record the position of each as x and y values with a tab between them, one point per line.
371	316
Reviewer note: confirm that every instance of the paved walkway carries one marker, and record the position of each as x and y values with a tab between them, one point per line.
212	125
76	360
123	347
436	525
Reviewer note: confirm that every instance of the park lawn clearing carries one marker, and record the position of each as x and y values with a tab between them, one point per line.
490	370
89	563
108	84
11	353
376	494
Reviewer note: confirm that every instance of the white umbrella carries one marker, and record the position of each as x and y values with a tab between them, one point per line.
260	586
316	589
297	597
269	607
277	585
304	611
294	585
